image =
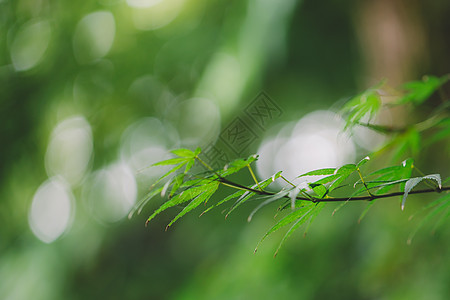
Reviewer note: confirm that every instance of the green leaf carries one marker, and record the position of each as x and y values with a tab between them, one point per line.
444	198
408	142
177	181
379	184
440	205
362	162
346	169
336	179
270	199
140	205
172	161
419	91
327	179
226	199
317	209
242	194
298	204
244	197
174	169
247	195
445	215
387	170
435	177
288	219
412	182
197	151
182	197
443	132
363	214
447	180
300	221
344	172
183	153
189	165
340	206
365	104
237	165
405	171
197	182
327	171
209	190
319	189
388	177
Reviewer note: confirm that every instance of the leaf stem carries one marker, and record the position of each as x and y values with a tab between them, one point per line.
364	183
282	177
203	163
301	191
233	186
254	177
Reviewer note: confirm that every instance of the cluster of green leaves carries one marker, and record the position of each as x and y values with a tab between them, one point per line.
419	91
301	203
408	140
305	202
365	105
438	209
198	189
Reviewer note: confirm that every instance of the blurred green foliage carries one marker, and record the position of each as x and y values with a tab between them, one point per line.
113	63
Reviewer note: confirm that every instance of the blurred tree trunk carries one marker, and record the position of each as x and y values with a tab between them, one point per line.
393	40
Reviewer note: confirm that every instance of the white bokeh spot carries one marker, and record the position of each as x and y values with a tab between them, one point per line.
94	36
51	210
110	193
70	150
316	141
30	44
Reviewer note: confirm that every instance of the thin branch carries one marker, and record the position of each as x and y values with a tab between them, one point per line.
383	129
203	163
254	177
282	177
336	199
421	126
364	183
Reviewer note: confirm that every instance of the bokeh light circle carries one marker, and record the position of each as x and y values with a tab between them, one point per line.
51	210
30	44
94	36
315	141
70	149
111	192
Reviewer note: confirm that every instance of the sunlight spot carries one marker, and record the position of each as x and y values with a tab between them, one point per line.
94	36
267	152
51	210
29	45
142	3
70	149
147	132
154	14
315	142
110	193
370	139
146	142
222	80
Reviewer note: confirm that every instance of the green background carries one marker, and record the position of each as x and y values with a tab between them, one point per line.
307	55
